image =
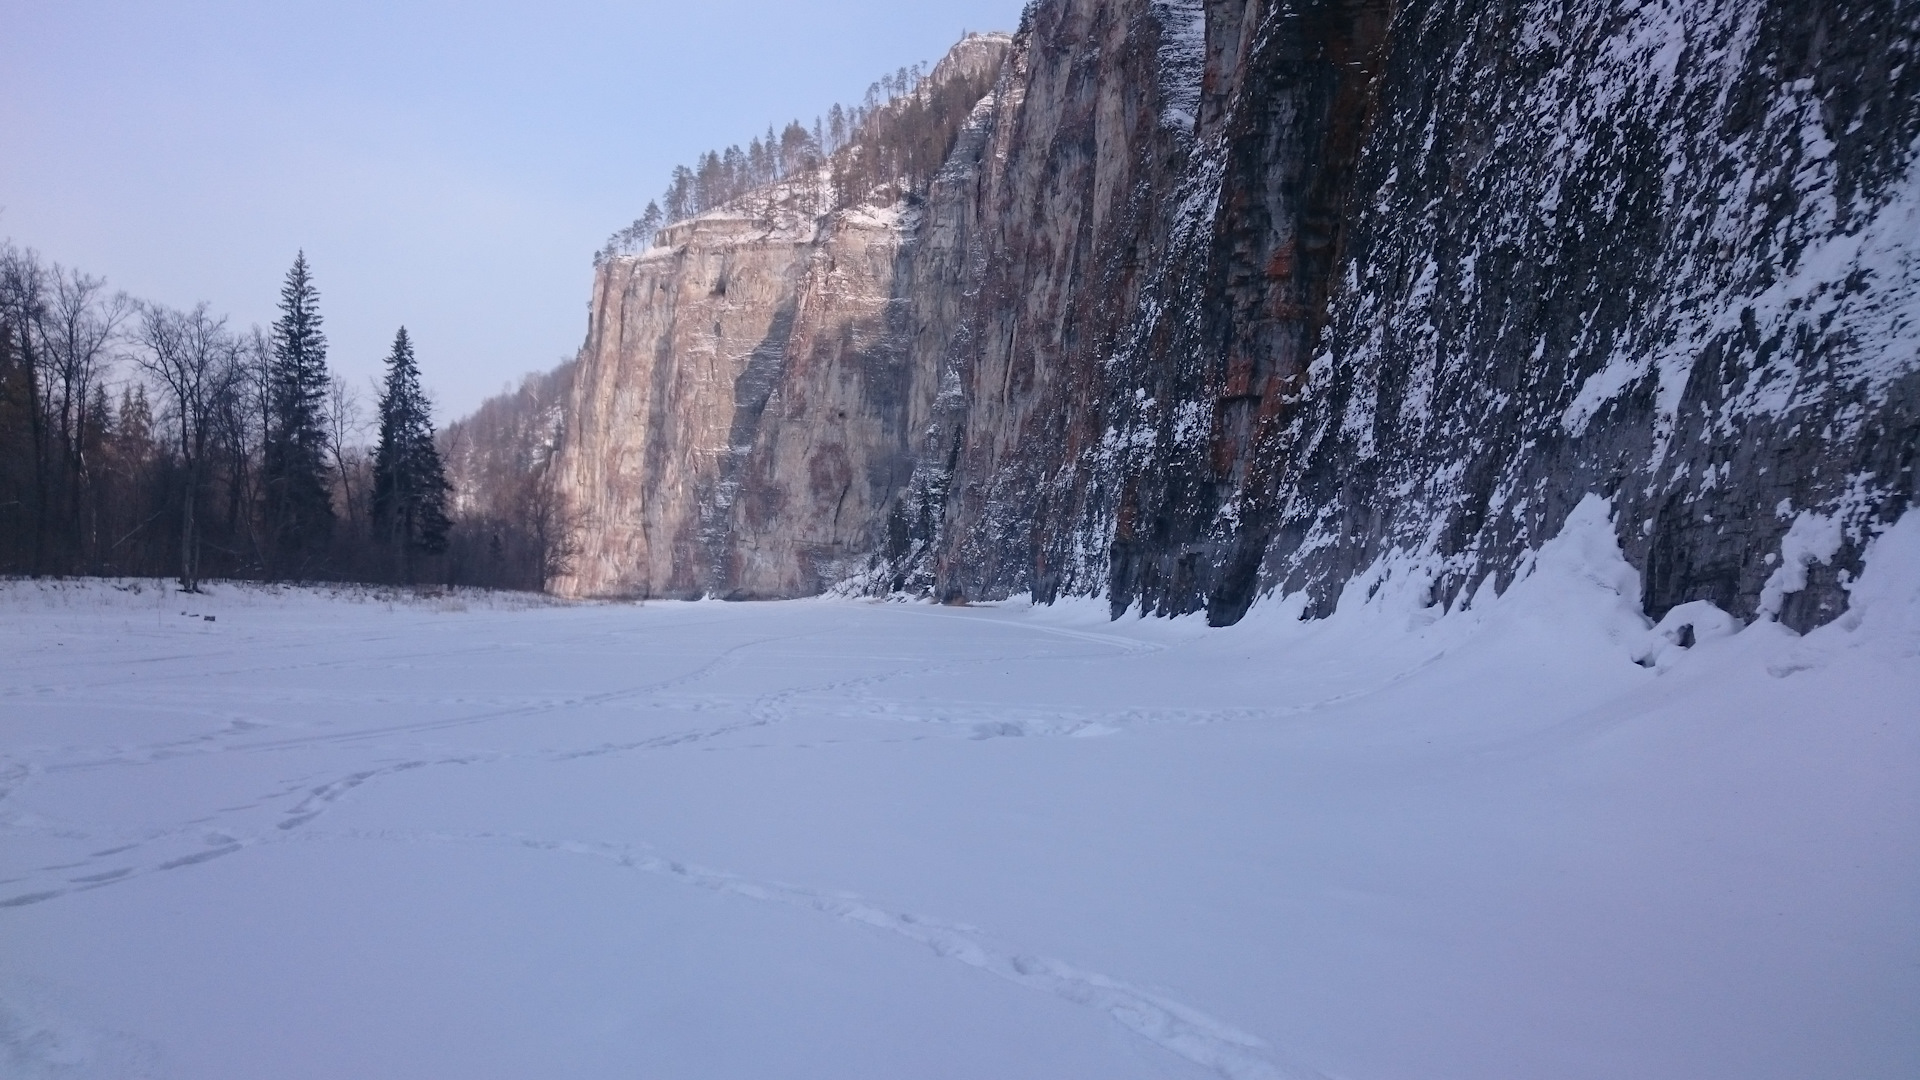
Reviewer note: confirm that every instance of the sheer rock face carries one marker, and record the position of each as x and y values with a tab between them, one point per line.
743	416
1222	297
739	410
1665	253
1086	147
1432	272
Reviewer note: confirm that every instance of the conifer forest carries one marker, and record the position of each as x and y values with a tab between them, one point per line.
137	440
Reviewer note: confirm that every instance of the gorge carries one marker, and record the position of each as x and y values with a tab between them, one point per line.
1221	299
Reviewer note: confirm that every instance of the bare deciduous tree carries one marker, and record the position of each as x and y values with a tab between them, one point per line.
23	308
167	471
346	430
196	363
77	336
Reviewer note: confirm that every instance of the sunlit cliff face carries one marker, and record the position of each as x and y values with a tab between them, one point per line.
739	389
752	387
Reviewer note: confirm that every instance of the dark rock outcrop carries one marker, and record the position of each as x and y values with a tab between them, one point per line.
1663	252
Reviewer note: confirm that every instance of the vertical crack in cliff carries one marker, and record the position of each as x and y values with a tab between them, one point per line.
1245	300
752	389
1282	291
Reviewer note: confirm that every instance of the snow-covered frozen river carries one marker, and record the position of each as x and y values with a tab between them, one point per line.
332	836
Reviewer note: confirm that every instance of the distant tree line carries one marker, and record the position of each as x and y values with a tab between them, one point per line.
899	146
888	146
142	440
514	531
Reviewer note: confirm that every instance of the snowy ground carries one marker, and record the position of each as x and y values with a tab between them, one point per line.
333	836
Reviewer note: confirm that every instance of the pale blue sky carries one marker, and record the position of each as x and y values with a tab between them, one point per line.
449	166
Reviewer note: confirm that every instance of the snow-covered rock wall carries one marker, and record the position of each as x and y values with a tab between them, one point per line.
1085	151
1434	272
1225	297
1662	251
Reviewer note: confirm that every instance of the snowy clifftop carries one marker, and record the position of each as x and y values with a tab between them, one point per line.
788	211
974	55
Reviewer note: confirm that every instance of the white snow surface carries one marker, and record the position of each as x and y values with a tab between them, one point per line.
347	835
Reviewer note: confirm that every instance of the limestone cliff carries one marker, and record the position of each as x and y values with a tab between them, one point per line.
744	416
1223	297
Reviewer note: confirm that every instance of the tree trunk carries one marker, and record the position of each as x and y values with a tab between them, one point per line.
189	568
76	490
39	435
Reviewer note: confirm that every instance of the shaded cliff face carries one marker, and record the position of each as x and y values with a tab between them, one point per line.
1689	286
1223	297
1093	130
1432	273
1660	252
1218	363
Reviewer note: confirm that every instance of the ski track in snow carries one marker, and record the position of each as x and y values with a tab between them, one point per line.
313	799
1177	1028
1569	815
1166	1023
207	840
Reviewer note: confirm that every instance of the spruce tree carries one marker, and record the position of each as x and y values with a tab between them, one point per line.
299	509
409	481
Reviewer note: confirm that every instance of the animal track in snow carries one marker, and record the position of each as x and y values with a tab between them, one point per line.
1180	1029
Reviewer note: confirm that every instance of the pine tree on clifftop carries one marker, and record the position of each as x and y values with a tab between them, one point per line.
299	509
409	481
